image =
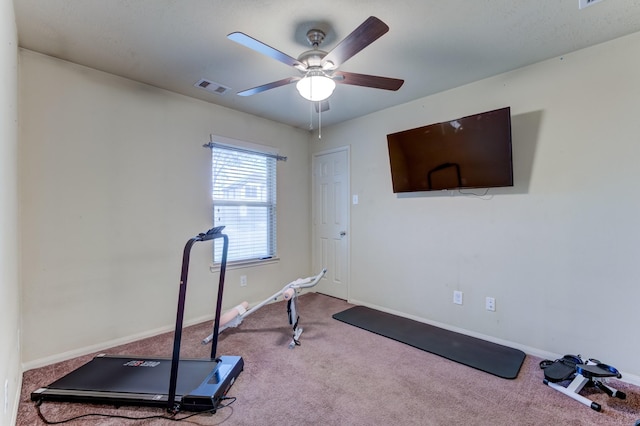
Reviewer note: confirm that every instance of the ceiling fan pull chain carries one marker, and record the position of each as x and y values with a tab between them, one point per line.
319	121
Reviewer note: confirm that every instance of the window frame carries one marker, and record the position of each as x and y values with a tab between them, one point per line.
270	181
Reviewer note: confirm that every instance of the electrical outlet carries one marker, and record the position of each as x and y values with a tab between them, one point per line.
457	297
243	280
491	304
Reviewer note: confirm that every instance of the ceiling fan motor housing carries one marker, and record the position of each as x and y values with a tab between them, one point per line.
315	37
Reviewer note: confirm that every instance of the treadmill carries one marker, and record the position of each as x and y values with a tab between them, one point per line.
174	383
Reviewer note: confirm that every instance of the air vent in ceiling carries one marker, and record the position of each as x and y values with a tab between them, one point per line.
584	3
211	86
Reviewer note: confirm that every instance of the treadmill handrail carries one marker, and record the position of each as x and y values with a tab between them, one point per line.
211	234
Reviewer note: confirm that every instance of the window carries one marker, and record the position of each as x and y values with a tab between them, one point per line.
244	201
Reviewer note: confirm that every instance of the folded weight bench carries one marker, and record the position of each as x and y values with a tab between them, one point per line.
573	368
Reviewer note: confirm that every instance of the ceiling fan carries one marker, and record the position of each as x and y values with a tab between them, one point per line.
318	68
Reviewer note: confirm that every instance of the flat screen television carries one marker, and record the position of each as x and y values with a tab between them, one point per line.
468	152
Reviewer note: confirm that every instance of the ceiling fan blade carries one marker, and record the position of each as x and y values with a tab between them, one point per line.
373	81
260	47
368	32
268	86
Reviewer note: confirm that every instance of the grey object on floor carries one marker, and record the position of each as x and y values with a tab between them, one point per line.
499	360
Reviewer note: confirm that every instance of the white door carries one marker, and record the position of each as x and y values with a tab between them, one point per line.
331	221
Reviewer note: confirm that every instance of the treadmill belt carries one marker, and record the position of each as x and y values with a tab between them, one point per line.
135	375
492	358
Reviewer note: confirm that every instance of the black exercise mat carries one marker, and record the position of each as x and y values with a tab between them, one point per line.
492	358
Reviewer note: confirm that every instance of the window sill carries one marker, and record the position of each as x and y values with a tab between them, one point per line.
241	264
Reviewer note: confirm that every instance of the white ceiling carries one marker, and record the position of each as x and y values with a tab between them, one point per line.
433	45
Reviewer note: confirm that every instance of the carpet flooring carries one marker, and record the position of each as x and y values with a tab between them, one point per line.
341	375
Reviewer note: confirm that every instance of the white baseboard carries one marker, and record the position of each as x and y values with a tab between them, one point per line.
16	401
42	362
626	377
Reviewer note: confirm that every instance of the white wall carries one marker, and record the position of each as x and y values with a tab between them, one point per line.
10	369
114	181
558	251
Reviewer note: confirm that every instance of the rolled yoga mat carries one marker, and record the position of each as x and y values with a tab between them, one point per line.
492	358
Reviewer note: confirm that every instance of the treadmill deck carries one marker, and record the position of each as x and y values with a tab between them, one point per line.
132	380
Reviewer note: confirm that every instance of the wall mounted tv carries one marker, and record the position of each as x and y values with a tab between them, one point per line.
468	152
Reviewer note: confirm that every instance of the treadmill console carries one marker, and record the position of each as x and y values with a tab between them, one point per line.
211	233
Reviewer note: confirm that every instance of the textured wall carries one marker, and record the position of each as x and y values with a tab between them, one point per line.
114	181
558	251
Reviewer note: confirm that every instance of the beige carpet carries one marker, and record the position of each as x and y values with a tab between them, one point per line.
343	375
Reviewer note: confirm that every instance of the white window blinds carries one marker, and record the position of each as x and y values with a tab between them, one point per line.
244	201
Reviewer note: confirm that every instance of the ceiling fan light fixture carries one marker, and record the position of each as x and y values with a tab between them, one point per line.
315	87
